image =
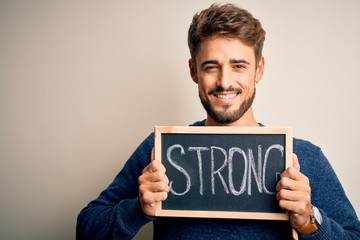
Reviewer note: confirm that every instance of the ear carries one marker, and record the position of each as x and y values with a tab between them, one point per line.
260	70
193	72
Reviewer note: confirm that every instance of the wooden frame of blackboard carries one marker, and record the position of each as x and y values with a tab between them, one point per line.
288	152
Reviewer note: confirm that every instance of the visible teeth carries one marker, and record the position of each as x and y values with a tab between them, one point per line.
226	96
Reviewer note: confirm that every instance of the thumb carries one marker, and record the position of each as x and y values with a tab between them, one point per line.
296	162
151	168
153	154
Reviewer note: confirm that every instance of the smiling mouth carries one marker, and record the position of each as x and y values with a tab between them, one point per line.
225	96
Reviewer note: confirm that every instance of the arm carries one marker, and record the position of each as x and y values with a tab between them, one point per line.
117	212
326	193
339	217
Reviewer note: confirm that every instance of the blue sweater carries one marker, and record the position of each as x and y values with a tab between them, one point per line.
117	214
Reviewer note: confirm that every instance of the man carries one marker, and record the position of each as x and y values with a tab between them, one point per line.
226	63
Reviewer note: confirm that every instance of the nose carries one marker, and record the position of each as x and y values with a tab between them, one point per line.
224	79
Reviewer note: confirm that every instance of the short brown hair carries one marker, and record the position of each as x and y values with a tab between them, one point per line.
226	20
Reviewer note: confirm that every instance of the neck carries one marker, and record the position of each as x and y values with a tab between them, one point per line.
247	120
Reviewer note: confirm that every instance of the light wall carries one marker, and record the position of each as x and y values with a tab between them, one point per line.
83	82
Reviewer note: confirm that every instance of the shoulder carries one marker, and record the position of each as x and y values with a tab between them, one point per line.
304	147
146	146
198	123
140	158
311	158
148	141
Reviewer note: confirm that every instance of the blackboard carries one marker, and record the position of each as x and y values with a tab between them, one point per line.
223	172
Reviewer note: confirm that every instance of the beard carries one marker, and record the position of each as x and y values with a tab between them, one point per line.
226	116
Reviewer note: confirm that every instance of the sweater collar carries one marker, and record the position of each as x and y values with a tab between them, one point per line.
202	124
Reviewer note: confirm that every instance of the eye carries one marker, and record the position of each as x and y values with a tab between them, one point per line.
239	66
210	68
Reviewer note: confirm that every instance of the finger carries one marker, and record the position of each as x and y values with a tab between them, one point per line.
148	191
152	154
154	187
157	166
153	177
154	166
154	172
149	168
289	195
151	198
296	162
294	173
294	185
291	172
296	208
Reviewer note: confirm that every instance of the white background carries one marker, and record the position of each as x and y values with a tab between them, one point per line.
82	83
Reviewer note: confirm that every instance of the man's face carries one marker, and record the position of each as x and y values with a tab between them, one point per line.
226	72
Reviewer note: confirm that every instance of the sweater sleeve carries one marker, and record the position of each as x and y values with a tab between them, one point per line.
339	217
117	213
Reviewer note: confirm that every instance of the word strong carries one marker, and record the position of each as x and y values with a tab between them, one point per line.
223	172
255	167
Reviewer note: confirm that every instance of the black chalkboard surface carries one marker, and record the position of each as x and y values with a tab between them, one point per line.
223	172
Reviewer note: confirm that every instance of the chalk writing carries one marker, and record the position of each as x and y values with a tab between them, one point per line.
254	168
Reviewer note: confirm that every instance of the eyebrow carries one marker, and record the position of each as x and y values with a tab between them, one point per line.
209	62
233	60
